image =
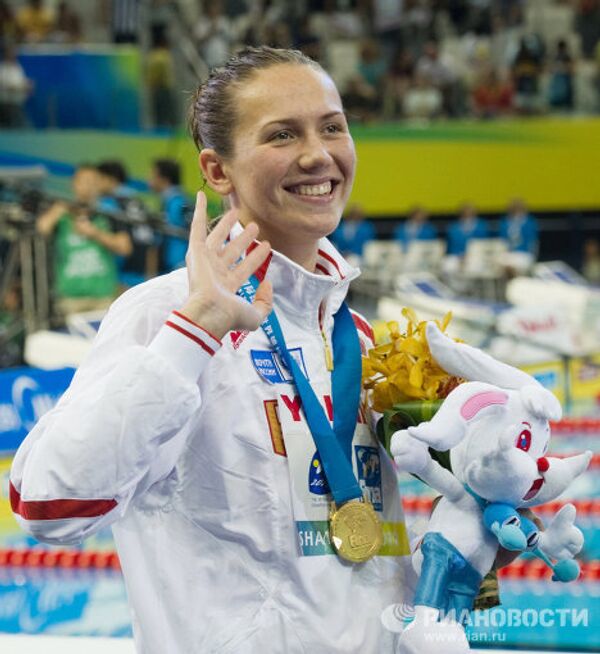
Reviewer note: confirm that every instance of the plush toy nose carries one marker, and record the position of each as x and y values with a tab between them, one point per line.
542	464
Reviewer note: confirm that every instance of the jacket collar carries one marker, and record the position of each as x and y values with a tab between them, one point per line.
300	294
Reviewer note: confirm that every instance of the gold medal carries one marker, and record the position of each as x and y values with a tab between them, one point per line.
355	531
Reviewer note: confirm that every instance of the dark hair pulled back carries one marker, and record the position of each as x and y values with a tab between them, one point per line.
213	114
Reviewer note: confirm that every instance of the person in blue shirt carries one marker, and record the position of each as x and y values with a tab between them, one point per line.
469	225
416	228
353	233
165	179
519	229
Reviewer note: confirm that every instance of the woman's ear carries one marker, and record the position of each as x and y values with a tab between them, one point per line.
214	170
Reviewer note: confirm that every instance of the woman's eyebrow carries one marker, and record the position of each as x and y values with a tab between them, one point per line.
295	121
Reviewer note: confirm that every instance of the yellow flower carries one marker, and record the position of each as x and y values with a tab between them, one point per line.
403	369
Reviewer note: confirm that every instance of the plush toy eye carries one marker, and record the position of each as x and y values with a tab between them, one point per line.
524	440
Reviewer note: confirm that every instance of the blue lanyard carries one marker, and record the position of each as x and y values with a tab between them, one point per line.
333	444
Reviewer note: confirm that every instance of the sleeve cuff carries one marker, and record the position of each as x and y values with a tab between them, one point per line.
185	344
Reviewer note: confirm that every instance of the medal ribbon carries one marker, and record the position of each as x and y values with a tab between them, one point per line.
333	444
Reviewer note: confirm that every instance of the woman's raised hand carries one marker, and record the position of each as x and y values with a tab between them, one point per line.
215	274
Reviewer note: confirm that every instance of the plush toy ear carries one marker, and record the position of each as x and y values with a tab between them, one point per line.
449	425
541	402
471	363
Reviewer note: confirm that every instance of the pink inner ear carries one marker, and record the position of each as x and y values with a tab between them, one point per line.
474	404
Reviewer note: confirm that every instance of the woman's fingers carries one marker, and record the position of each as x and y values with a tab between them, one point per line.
263	300
218	235
250	263
236	247
198	226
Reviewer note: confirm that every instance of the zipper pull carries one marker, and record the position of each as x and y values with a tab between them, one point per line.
328	355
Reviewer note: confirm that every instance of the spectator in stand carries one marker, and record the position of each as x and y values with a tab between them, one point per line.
165	179
587	24
387	23
361	100
526	70
416	228
278	35
14	89
397	82
492	97
560	93
34	21
591	261
9	30
85	248
520	231
337	20
125	20
67	28
353	233
417	25
430	66
423	100
117	196
214	34
468	226
372	65
160	80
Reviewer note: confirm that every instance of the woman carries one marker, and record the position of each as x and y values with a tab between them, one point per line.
183	429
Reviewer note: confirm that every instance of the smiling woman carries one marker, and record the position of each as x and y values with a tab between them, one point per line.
218	422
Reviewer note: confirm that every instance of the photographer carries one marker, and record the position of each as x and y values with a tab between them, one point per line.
85	248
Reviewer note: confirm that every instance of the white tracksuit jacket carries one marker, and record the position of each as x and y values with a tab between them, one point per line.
163	434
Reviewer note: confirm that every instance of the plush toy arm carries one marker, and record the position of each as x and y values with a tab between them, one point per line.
443	481
412	455
562	539
497	469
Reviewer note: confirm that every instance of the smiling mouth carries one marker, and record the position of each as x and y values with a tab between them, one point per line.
534	490
322	190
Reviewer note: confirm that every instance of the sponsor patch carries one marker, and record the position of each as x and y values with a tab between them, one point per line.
270	367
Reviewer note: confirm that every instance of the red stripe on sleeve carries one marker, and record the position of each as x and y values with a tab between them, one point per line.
58	509
198	326
324	270
193	337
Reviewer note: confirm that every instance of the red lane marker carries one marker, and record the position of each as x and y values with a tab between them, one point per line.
35	557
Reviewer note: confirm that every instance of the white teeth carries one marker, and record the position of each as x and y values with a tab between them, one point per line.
316	189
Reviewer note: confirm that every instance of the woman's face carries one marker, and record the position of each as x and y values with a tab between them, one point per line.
293	158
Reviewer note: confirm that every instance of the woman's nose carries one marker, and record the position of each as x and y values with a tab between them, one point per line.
543	464
315	155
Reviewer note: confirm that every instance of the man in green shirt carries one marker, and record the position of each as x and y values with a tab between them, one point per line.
85	248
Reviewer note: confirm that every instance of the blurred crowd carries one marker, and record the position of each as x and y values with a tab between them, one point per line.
513	241
392	59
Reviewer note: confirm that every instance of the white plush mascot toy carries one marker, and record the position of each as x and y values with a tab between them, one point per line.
496	428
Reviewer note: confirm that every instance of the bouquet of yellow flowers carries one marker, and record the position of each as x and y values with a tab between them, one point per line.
404	381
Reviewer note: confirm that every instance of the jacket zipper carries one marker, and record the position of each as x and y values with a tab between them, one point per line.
328	353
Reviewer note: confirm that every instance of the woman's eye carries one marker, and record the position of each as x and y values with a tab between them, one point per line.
284	135
333	128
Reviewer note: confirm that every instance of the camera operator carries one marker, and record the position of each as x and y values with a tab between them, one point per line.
117	195
85	248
